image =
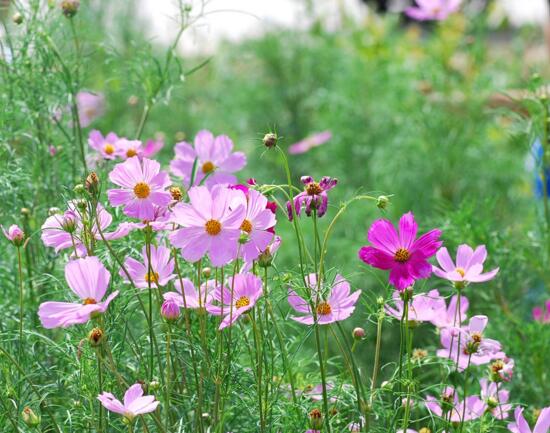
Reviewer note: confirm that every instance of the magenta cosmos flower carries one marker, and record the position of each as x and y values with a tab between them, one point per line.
540	315
451	316
187	295
469	345
212	157
313	198
246	290
336	305
496	400
162	268
423	307
436	10
468	268
90	106
399	251
143	187
135	403
88	279
473	407
521	426
210	225
309	143
106	146
14	234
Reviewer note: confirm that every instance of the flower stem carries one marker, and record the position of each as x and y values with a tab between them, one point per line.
20	346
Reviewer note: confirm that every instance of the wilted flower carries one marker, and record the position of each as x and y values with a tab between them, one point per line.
405	256
90	105
316	419
310	142
14	234
314	197
134	402
521	426
95	336
106	146
160	272
437	10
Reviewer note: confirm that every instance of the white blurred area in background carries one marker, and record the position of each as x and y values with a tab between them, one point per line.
234	20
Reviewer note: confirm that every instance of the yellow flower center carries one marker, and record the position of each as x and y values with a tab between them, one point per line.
313	188
208	167
213	227
460	272
402	255
109	149
131	152
476	337
243	301
89	301
324	309
497	365
246	226
142	190
152	277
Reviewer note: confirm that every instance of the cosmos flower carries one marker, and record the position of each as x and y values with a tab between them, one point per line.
127	149
338	304
473	407
209	224
135	403
246	290
106	146
162	267
315	393
188	296
400	252
436	10
449	316
423	307
314	197
469	265
14	234
212	157
143	187
495	399
152	147
88	279
90	106
309	143
521	426
502	369
540	315
266	256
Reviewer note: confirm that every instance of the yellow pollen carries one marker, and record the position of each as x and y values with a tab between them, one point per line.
109	149
402	255
460	272
89	301
476	336
208	167
131	152
142	190
324	309
152	277
313	188
213	227
246	226
497	365
243	301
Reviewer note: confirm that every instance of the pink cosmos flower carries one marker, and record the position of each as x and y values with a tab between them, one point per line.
188	296
400	252
127	149
316	393
90	106
469	343
60	231
258	219
162	268
88	279
337	305
106	146
496	400
451	316
475	407
170	310
423	307
214	158
436	10
310	142
314	197
542	316
266	256
152	147
521	426
134	402
246	288
14	234
209	224
502	369
469	265
52	150
143	187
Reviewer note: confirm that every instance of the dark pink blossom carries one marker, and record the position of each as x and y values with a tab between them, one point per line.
313	198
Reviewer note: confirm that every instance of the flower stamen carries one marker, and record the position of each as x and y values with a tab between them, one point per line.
89	301
402	255
246	226
109	149
324	309
142	190
313	188
208	167
243	301
151	277
213	227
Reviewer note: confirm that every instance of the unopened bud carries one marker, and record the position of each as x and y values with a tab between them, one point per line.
170	310
382	201
424	430
92	183
316	419
68	223
175	192
79	189
14	234
206	272
25	211
17	18
29	417
70	7
270	140
54	211
154	385
133	100
358	333
95	337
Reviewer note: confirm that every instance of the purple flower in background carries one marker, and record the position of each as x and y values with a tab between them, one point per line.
134	402
90	106
88	279
451	316
314	197
436	10
423	307
521	426
188	296
14	234
152	147
143	187
337	305
400	252
316	393
212	157
127	149
472	407
496	400
540	315
468	268
160	274
106	146
309	143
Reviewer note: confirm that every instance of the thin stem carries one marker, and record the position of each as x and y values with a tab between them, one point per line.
21	303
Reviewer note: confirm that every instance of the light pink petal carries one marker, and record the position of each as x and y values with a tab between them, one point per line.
134	392
201	200
543	421
463	256
119	197
235	162
444	260
224	247
478	323
193	241
298	303
484	277
204	144
110	403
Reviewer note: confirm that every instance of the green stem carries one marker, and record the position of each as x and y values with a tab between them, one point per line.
21	304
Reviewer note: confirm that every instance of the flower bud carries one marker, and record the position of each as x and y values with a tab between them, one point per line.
95	337
68	223
206	272
92	183
25	211
424	430
79	189
170	310
382	201
154	385
180	136
270	140
175	192
15	235
70	7
17	18
419	354
29	417
133	100
358	333
82	205
54	211
316	419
